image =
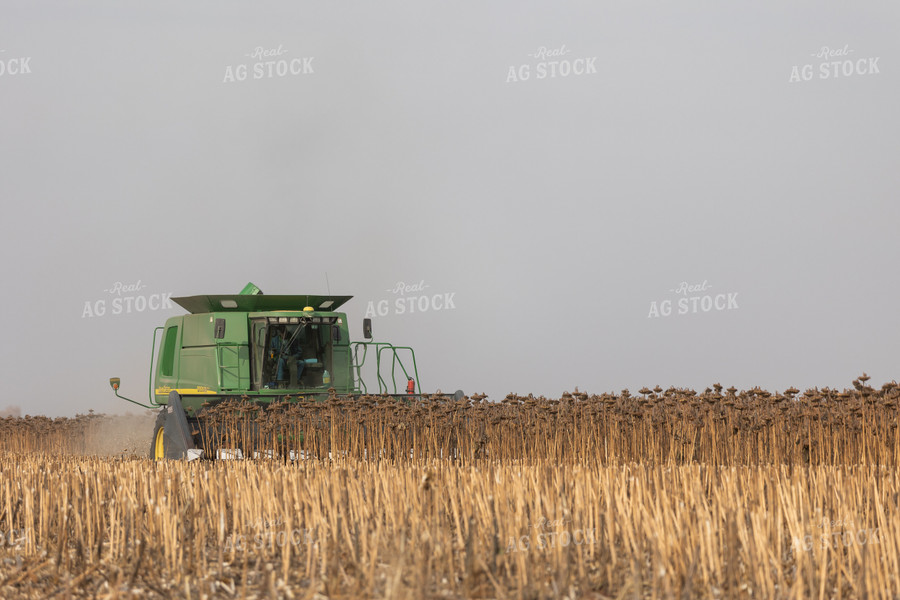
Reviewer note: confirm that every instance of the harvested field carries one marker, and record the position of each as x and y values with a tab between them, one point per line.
665	494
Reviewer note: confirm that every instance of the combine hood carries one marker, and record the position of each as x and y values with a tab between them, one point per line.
258	303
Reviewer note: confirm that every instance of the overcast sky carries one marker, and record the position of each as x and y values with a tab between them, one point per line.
549	217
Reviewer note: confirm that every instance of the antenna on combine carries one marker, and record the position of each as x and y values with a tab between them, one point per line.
327	285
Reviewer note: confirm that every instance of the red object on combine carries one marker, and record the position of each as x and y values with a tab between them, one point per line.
410	386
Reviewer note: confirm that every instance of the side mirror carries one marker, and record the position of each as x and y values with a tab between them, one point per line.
335	333
114	384
367	329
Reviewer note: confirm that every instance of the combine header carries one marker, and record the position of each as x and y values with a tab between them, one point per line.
250	352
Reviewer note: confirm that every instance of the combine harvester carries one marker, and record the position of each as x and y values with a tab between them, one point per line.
260	351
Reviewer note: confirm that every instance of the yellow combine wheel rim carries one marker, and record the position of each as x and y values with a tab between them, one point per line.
160	448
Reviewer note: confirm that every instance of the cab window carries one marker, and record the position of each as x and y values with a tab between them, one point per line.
168	353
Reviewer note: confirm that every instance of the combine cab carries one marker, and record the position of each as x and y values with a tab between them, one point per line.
259	349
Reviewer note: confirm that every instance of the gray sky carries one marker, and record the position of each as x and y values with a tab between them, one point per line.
553	211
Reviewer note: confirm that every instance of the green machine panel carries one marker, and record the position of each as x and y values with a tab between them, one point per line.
215	351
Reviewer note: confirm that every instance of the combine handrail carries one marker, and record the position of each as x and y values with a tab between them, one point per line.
150	385
395	360
357	364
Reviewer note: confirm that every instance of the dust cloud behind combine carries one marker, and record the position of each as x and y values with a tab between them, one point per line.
121	435
84	435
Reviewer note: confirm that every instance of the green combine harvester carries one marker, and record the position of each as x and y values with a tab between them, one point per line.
262	349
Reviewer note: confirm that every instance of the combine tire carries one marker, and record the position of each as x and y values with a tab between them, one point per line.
158	443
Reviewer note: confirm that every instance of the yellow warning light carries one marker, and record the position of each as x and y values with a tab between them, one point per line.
308	309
